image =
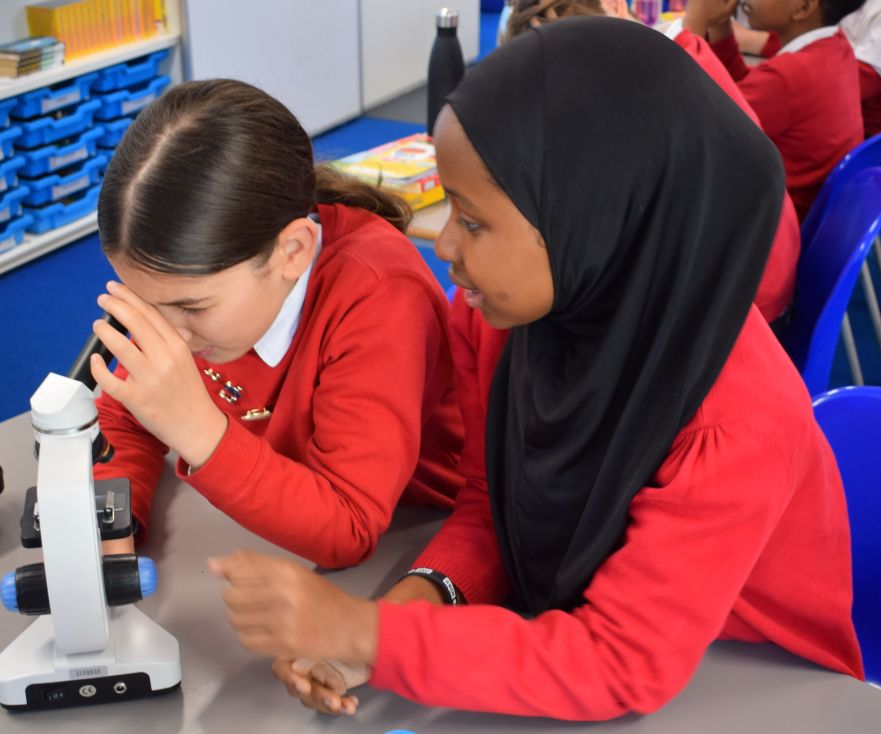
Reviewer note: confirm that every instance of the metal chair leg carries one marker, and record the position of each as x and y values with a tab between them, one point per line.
871	300
851	348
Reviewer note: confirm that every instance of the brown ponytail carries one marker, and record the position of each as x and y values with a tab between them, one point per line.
332	186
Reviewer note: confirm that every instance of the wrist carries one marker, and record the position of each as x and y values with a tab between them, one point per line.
414	588
719	31
203	438
365	636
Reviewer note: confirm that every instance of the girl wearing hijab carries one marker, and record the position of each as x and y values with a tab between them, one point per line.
655	479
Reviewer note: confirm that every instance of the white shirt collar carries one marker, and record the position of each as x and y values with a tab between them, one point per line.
674	28
274	344
806	39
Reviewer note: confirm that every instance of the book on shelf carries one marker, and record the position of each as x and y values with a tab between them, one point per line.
87	26
29	55
406	167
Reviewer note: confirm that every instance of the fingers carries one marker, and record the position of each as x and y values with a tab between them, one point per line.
107	381
119	345
144	309
144	334
317	685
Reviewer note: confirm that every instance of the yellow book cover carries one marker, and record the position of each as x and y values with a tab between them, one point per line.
40	21
406	167
127	25
66	30
76	28
88	13
159	14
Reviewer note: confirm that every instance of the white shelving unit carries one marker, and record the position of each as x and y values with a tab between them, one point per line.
35	245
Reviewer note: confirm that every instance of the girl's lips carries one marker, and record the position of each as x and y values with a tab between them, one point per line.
474	298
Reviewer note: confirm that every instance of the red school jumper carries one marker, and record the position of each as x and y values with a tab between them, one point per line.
808	103
363	406
870	92
778	280
741	534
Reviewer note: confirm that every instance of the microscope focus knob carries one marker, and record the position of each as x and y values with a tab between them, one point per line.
127	579
7	592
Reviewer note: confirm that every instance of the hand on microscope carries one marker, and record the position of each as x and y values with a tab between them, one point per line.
163	389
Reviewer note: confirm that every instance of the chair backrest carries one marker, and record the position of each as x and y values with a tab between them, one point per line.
827	272
866	155
851	419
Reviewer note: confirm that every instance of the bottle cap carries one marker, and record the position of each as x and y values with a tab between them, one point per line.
447	18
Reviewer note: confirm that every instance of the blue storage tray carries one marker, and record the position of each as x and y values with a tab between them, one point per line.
13	233
53	157
9	171
136	71
63	212
6	107
7	138
10	203
58	186
45	130
129	101
113	131
55	97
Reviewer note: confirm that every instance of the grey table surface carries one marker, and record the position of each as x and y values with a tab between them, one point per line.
738	688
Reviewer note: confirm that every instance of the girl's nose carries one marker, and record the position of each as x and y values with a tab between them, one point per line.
445	245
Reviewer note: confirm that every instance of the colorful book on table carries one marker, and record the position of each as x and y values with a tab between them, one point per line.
406	167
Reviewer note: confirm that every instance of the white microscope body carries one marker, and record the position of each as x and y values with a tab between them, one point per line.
84	651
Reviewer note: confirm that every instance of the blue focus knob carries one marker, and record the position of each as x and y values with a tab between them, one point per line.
7	589
148	575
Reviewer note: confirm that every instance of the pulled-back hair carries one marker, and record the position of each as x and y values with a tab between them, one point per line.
208	176
526	12
832	11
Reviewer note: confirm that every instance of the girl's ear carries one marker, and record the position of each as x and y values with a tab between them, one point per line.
295	247
807	9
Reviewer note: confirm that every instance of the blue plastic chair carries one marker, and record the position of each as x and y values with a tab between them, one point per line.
451	292
866	155
827	272
851	419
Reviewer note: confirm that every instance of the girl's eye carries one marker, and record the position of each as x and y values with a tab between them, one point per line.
191	311
469	226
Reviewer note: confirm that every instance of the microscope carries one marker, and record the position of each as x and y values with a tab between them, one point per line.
89	643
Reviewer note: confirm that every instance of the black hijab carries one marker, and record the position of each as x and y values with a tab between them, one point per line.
658	200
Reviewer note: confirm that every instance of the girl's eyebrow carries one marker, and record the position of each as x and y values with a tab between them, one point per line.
461	199
185	302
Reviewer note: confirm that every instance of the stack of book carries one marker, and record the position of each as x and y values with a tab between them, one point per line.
406	167
87	26
29	55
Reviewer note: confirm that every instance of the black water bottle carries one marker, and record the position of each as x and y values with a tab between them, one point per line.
446	67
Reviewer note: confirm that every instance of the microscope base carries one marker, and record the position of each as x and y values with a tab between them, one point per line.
141	659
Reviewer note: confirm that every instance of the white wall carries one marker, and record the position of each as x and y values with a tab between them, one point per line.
396	39
304	52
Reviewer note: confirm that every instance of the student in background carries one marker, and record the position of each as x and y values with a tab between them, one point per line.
778	281
288	341
863	30
807	97
655	478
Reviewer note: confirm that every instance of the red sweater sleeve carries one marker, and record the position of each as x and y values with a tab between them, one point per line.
649	614
465	548
138	456
763	87
367	412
